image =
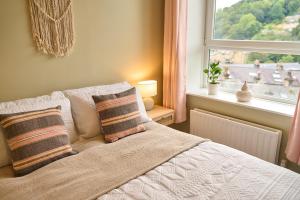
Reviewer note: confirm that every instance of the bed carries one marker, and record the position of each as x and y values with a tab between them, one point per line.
161	163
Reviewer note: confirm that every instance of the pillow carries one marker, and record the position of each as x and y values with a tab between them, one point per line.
83	107
35	138
119	114
38	103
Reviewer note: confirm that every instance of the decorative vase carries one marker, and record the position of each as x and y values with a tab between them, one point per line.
244	95
149	103
212	89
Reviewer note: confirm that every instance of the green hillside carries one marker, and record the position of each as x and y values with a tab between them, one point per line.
277	20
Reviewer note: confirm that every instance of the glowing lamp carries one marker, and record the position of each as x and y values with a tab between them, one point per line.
148	89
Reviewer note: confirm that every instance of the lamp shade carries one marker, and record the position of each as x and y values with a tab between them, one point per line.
147	88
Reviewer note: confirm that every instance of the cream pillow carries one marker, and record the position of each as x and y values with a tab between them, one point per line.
83	107
38	103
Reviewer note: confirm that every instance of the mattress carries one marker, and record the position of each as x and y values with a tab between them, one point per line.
206	171
212	171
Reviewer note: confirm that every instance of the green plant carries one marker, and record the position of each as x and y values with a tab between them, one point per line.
213	72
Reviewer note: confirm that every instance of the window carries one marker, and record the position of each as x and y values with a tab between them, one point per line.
270	20
275	76
256	41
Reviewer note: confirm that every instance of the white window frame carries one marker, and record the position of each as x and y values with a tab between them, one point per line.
276	47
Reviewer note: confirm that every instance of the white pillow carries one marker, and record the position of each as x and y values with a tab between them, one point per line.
38	103
83	107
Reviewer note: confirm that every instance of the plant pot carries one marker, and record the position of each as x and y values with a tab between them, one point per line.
212	89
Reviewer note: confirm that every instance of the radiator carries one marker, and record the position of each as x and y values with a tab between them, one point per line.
254	139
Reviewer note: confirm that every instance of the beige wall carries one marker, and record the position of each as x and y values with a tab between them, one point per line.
115	41
195	45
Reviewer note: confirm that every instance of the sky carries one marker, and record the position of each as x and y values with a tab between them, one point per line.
225	3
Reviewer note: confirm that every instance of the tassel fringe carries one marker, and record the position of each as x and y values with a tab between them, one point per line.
52	26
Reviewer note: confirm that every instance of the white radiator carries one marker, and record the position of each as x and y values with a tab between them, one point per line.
257	140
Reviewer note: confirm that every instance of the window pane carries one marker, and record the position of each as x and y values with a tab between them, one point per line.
271	76
268	20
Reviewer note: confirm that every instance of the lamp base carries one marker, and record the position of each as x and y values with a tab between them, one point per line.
149	103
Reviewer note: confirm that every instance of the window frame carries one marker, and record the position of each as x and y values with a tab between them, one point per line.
276	47
286	47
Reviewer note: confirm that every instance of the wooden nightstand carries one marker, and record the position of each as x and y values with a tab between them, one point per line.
162	115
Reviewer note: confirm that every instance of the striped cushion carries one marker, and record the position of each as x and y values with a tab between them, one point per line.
119	114
35	138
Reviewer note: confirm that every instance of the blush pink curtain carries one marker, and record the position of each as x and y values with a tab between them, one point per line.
293	147
175	52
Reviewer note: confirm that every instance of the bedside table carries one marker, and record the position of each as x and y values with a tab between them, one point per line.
164	116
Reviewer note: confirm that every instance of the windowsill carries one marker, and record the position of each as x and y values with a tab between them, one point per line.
256	103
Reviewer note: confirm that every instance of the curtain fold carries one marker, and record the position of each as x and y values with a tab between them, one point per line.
293	147
175	53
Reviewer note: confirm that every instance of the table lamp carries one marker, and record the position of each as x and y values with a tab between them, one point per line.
148	89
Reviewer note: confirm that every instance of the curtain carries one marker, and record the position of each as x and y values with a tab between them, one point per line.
175	52
293	147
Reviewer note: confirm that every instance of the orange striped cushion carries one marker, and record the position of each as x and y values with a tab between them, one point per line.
119	114
35	138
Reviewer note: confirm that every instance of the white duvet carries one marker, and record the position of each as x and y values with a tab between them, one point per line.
212	171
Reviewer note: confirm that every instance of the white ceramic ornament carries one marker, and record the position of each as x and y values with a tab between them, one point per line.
244	95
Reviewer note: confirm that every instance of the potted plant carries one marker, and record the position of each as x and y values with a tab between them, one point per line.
213	72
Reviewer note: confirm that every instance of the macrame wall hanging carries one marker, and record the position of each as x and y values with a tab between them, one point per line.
52	26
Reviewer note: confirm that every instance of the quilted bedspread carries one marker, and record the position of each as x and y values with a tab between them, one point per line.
212	171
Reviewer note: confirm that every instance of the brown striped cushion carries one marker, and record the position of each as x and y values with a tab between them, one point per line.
119	114
35	138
